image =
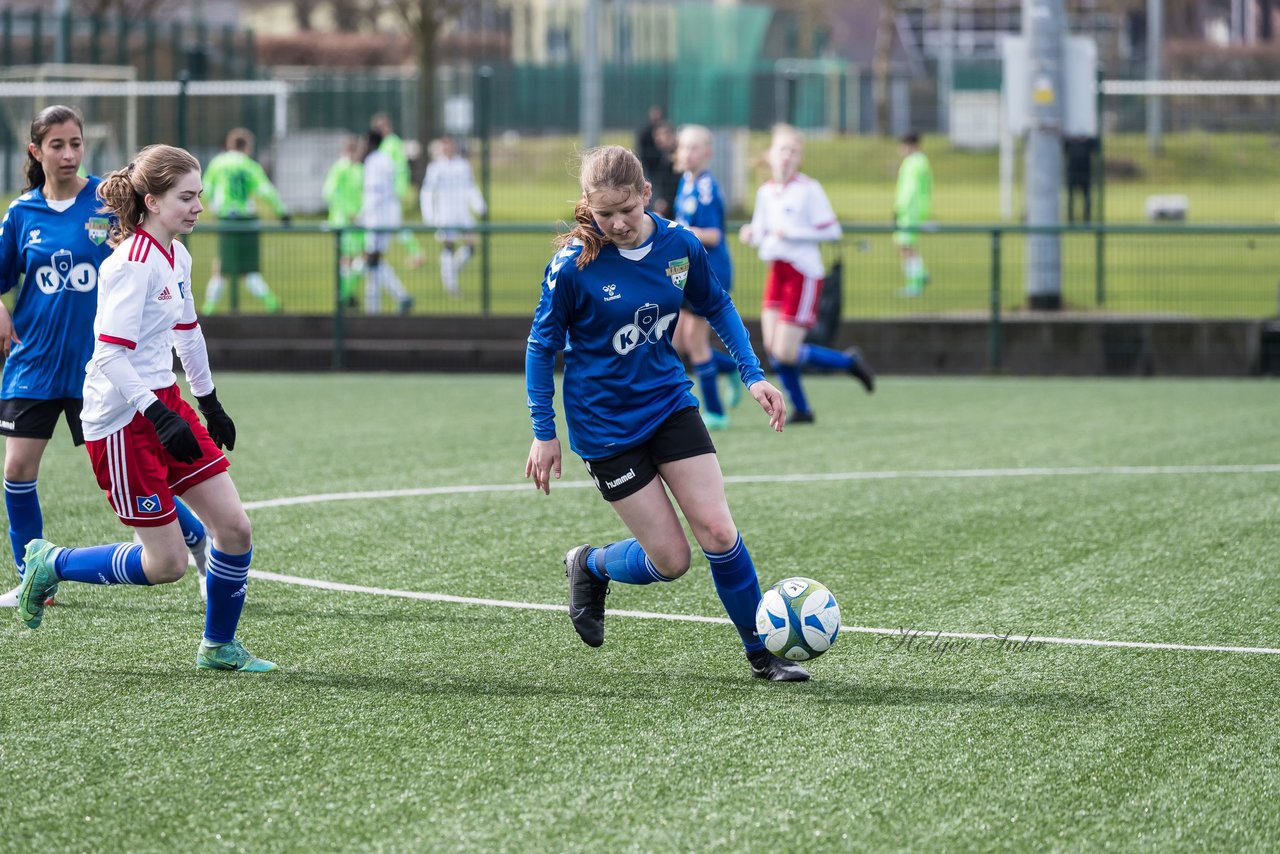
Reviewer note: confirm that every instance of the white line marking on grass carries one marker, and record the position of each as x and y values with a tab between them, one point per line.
926	474
693	618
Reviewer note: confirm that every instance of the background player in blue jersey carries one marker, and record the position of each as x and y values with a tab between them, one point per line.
699	207
610	297
52	239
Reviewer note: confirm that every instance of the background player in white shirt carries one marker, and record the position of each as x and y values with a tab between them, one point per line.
451	201
380	212
792	217
145	442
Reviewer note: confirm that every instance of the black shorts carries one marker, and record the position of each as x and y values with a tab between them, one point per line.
681	436
27	418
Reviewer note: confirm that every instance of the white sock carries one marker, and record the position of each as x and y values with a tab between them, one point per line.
213	293
448	271
256	285
461	256
391	282
372	293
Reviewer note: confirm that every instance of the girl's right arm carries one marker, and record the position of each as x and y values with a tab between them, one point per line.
550	325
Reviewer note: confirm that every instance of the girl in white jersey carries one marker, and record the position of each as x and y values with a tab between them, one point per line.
145	442
451	201
792	217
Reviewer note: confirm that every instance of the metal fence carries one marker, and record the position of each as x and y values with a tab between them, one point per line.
1188	271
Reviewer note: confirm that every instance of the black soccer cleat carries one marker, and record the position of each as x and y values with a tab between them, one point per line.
801	417
860	370
766	665
586	596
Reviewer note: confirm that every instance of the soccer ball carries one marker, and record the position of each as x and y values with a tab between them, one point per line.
798	619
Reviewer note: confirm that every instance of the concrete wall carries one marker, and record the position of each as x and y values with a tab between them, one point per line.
1053	345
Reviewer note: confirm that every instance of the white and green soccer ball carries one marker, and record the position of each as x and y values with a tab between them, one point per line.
798	619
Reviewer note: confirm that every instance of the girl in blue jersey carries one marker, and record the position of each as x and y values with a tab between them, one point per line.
699	207
610	299
52	240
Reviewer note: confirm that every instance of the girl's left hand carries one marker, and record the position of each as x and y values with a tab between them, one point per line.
771	401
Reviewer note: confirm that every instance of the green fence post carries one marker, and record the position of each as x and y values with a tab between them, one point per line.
994	342
1099	218
485	74
338	302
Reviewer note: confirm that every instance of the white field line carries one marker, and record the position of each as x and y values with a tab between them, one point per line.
926	474
922	635
788	478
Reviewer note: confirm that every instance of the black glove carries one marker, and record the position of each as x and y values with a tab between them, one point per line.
286	220
222	430
174	432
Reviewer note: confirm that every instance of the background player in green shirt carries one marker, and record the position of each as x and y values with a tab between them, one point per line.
393	147
233	182
911	210
343	189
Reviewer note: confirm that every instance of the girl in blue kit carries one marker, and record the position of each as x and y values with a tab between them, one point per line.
610	299
52	240
700	208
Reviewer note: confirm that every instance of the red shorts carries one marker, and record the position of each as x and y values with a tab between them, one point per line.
139	475
793	294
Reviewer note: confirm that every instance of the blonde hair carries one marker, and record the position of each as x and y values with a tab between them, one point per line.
784	129
154	171
609	167
700	133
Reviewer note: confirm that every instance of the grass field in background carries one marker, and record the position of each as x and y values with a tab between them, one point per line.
1085	509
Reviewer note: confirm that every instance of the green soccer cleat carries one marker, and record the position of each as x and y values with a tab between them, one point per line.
715	422
731	389
39	582
230	656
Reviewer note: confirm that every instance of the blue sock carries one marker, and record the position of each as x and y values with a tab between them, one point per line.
118	563
226	582
624	562
789	376
708	387
823	357
734	575
25	520
192	527
724	362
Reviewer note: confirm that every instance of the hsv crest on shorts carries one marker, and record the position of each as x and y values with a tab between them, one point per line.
148	503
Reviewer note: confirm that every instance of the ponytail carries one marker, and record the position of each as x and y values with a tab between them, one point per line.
584	230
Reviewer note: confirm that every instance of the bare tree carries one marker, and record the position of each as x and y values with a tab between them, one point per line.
425	19
132	9
886	30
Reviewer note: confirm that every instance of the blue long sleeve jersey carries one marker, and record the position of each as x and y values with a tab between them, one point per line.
614	320
56	254
700	204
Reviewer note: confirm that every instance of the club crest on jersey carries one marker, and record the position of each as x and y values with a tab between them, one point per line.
97	226
678	270
148	503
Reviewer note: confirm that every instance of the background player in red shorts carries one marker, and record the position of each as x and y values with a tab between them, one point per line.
145	442
791	218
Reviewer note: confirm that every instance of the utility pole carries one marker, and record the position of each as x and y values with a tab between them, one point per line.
1155	46
1042	27
590	86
